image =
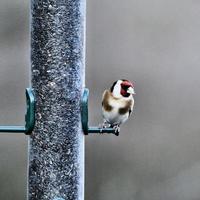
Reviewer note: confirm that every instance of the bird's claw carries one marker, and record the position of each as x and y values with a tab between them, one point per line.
116	129
105	124
102	126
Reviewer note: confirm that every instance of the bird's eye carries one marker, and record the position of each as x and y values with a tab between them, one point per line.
125	87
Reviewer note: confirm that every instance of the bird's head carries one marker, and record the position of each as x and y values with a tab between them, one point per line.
122	88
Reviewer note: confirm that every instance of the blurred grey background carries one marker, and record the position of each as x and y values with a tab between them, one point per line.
156	44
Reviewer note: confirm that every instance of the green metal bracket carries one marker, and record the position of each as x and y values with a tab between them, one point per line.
29	118
84	118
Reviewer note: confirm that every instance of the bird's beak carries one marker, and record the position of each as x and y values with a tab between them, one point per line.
131	90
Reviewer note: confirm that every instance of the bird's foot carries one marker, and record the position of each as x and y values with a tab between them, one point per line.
101	126
116	129
106	124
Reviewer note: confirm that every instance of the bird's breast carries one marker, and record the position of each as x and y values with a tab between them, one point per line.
118	113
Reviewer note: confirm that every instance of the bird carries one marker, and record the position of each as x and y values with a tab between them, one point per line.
117	104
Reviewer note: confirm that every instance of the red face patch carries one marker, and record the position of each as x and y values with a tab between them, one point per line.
127	84
124	86
124	93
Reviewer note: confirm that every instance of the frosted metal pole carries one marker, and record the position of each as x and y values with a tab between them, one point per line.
56	146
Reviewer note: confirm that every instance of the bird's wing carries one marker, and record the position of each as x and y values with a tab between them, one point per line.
130	111
131	107
105	101
104	95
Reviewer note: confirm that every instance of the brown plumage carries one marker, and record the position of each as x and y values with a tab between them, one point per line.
126	108
105	101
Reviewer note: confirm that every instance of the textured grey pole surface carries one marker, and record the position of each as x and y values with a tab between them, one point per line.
56	149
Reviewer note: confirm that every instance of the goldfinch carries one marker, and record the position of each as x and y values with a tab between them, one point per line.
117	104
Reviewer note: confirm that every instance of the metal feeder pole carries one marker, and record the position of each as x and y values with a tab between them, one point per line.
56	146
